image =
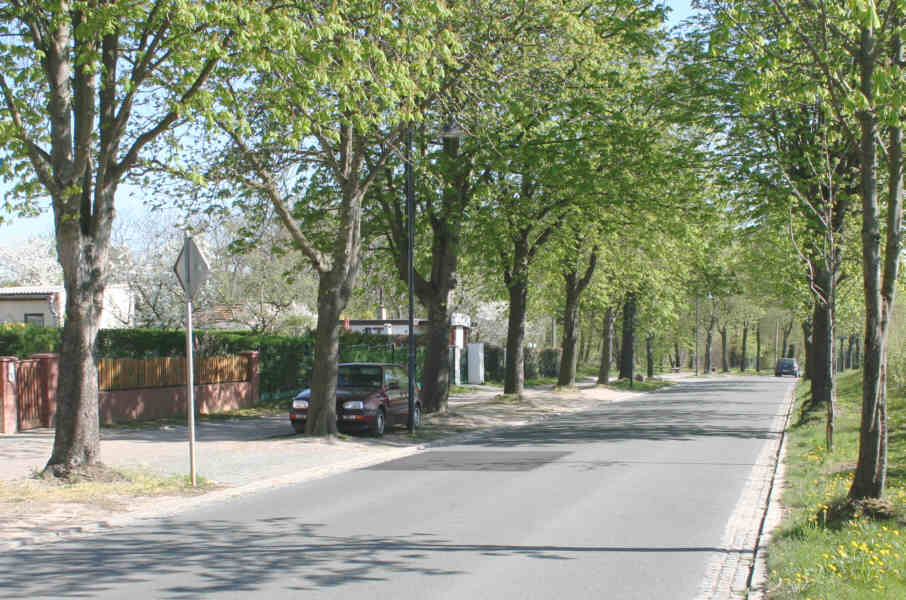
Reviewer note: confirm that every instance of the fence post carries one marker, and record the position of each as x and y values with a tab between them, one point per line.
9	407
48	372
254	377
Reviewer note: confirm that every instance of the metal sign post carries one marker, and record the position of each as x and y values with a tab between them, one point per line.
191	270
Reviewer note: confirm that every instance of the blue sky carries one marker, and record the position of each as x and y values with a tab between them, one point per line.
129	204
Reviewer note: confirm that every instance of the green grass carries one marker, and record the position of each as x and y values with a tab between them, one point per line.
587	371
822	549
125	484
468	389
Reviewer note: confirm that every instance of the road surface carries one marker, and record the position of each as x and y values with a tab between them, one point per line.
631	500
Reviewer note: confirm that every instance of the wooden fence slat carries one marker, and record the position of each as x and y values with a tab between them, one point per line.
131	373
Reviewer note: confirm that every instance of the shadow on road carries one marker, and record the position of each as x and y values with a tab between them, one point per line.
207	557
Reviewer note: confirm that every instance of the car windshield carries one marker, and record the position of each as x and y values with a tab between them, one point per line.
787	362
359	376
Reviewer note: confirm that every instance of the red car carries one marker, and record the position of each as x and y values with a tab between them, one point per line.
370	397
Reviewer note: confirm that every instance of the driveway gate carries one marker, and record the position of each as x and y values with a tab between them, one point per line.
28	393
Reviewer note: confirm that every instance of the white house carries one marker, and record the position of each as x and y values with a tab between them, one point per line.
45	306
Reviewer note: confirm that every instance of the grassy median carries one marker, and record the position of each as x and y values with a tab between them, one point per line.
826	547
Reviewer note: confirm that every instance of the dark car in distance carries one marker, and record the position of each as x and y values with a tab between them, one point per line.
370	398
786	366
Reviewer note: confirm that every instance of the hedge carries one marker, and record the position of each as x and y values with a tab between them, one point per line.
494	365
21	340
549	362
530	365
285	362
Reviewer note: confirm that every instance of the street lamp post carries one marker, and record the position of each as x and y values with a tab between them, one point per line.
410	232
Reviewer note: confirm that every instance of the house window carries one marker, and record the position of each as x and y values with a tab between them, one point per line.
34	319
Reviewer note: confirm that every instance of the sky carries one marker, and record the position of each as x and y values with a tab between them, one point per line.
129	200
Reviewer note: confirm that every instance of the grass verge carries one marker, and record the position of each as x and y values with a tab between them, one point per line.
823	550
130	484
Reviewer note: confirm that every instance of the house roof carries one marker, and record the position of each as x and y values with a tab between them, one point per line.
33	291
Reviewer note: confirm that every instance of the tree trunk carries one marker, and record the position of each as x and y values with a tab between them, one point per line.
649	355
569	360
850	352
322	411
871	469
758	347
724	351
436	369
709	342
575	285
607	347
676	351
514	378
821	355
787	330
583	345
808	337
77	437
627	360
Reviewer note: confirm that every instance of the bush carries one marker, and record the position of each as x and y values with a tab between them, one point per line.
140	343
530	363
549	362
494	363
21	340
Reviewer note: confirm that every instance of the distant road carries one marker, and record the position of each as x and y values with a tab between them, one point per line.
631	500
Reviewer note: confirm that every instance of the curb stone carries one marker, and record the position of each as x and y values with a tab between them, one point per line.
739	571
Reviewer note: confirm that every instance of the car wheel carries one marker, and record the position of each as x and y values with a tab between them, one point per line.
299	427
379	423
417	415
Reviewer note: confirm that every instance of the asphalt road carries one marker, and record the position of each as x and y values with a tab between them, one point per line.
628	501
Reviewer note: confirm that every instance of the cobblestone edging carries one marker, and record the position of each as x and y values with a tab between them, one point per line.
737	571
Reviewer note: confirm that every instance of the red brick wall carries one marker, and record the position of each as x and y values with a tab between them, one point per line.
159	403
8	405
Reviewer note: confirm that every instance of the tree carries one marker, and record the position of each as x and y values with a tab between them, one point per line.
256	272
866	103
311	128
32	262
524	65
110	78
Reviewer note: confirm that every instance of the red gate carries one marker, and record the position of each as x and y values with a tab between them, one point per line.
28	392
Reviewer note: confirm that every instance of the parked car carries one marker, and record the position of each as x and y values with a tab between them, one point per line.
370	397
786	366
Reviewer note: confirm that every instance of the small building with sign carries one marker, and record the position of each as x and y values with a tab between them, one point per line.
459	327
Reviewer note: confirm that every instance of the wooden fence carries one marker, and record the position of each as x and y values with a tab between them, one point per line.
132	373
